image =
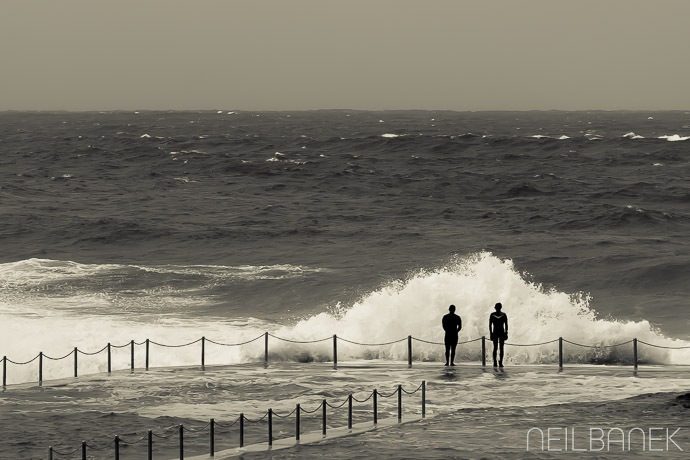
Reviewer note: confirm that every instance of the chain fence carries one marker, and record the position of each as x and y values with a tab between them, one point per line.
266	422
334	356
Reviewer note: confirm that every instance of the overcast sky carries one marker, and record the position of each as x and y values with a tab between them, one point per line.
362	54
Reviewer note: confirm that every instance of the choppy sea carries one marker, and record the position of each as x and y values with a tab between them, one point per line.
172	226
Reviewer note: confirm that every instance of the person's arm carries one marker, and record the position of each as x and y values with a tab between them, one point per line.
506	324
491	323
459	323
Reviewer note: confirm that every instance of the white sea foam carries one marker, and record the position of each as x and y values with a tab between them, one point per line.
413	307
675	138
390	135
36	272
632	135
542	136
383	318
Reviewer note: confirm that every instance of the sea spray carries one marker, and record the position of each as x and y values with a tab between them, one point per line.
379	323
474	284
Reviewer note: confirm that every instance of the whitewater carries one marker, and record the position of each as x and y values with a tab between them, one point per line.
122	227
405	307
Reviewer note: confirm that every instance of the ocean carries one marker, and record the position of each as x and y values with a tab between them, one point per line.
173	226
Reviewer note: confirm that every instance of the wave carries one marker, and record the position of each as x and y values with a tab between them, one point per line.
612	216
474	284
675	138
382	318
35	274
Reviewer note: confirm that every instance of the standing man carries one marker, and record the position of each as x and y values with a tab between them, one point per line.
452	325
498	331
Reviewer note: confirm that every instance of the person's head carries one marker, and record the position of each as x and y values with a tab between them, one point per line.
451	309
498	306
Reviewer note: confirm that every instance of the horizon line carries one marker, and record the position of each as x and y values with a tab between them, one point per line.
235	111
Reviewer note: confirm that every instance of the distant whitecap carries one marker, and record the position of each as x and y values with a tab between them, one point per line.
145	136
632	135
675	138
390	135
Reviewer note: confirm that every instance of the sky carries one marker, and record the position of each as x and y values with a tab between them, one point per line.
337	54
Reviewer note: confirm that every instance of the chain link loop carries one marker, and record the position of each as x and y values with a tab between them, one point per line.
299	341
597	346
233	344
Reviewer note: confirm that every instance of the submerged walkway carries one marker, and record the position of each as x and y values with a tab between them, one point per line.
307	438
96	407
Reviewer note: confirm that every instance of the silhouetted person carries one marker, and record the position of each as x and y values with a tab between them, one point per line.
498	330
452	325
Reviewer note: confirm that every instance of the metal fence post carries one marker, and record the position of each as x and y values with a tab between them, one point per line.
50	453
409	351
635	352
375	398
40	368
242	430
483	351
266	349
560	352
423	398
150	445
83	450
75	362
181	442
399	403
297	422
117	447
270	427
131	365
323	417
4	371
349	412
203	353
212	438
147	354
109	359
335	351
